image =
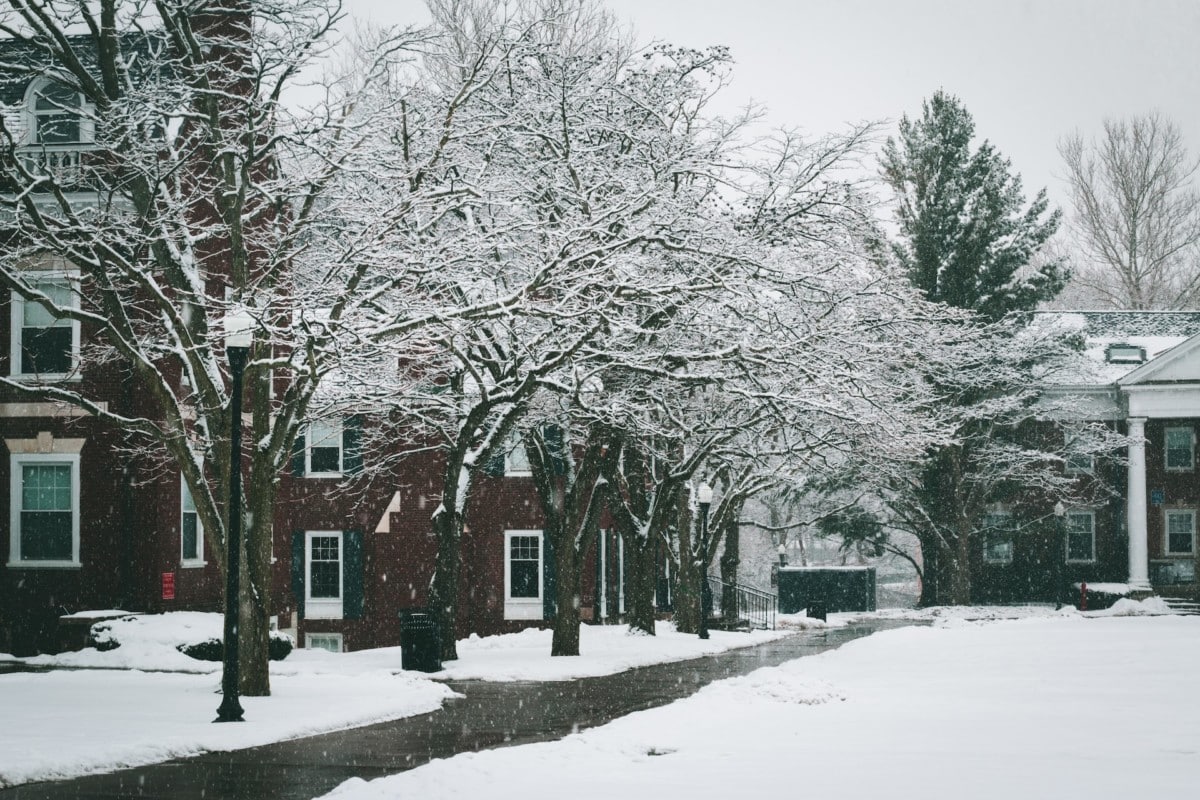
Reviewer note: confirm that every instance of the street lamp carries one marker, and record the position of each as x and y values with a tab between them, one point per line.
704	495
239	332
1060	515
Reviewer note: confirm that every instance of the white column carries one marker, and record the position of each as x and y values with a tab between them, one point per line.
1135	506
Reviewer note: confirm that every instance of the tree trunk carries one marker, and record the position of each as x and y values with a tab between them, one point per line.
254	675
730	560
567	563
443	588
641	578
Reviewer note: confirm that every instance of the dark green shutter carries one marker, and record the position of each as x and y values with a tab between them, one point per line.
298	571
352	575
552	435
494	466
298	456
549	579
352	457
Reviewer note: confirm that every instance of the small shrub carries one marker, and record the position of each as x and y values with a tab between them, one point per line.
278	648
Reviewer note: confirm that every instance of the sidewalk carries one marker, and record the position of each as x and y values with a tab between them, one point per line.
490	715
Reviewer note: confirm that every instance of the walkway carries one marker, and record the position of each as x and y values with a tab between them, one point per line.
490	715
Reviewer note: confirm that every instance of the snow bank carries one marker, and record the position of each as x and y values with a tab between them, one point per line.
1035	707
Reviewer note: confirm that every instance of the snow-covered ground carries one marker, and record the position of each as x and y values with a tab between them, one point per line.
1045	706
145	702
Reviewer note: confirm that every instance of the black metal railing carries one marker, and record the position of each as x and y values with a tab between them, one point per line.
753	607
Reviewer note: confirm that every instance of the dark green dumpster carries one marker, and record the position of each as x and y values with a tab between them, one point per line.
825	590
420	642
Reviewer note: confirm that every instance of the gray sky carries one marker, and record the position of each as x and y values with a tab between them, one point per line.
1029	71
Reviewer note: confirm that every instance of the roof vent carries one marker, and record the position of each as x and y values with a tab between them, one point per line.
1124	354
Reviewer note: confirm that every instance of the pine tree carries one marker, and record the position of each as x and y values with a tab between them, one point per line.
967	240
963	235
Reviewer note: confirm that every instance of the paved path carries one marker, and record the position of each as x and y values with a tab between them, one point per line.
490	715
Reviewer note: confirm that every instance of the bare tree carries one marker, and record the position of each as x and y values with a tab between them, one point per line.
1137	214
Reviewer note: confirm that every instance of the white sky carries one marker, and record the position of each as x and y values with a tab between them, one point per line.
1029	71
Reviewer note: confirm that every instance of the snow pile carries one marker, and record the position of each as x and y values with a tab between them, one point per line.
1125	607
1035	707
604	650
802	622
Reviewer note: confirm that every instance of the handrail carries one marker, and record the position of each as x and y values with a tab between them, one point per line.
753	607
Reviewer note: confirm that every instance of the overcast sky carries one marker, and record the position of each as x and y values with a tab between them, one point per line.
1029	71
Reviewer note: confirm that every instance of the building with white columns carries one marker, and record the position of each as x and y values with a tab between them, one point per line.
1143	376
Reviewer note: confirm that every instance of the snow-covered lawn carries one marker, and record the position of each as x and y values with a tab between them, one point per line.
1042	707
145	702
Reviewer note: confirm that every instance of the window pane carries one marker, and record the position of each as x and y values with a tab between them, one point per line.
518	460
58	129
1080	542
191	527
325	459
1180	530
525	578
55	96
59	292
46	536
1179	448
46	487
45	350
325	434
325	567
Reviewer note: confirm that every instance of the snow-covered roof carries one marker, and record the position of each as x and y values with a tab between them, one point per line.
1155	332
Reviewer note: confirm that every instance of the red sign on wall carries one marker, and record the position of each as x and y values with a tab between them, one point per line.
168	581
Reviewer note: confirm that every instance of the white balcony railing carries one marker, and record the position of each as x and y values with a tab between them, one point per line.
63	163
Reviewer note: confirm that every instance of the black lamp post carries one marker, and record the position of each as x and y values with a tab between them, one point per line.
782	555
704	495
238	336
1060	516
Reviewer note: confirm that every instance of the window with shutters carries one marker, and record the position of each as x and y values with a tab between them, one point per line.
1181	532
1081	537
324	452
1179	445
323	575
998	538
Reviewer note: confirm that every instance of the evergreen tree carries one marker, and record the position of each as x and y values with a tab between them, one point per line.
967	240
964	237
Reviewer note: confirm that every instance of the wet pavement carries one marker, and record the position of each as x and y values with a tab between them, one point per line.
489	715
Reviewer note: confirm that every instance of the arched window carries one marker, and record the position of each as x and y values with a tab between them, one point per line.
57	114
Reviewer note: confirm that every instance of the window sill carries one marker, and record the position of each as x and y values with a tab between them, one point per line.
326	475
1074	561
57	377
322	609
524	609
44	564
191	564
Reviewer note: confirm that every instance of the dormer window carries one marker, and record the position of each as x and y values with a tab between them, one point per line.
1125	354
57	114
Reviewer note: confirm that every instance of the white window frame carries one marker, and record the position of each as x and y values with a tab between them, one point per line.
1191	436
524	607
995	530
339	437
335	639
87	126
184	560
324	607
1176	512
16	462
1091	515
16	319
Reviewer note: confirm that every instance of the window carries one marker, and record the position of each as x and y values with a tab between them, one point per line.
43	344
1179	445
44	510
1125	354
516	460
325	448
997	538
1181	532
1081	537
323	641
323	572
191	532
57	114
1080	463
523	575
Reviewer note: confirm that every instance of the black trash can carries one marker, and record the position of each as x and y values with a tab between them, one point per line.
420	642
817	611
